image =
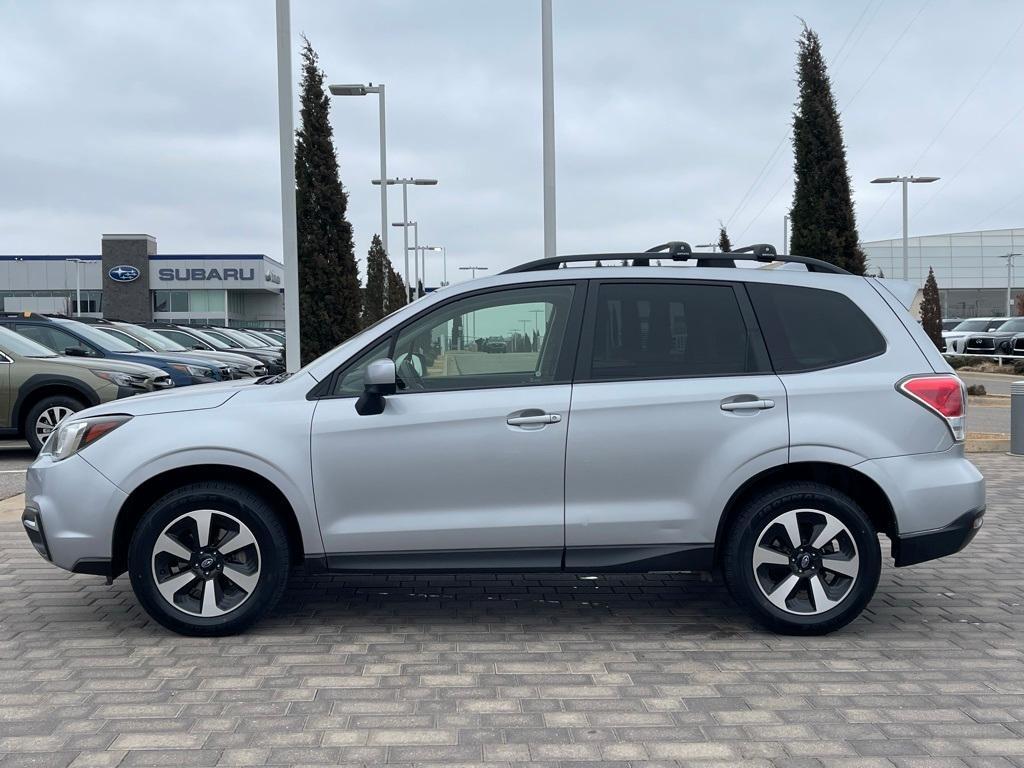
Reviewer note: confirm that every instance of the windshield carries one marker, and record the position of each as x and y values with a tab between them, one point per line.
265	338
972	325
215	339
247	341
1015	326
17	344
98	337
154	339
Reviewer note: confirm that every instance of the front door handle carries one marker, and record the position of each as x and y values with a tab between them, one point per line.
747	405
542	418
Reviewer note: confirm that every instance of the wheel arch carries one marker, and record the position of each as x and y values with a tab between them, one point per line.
144	495
38	387
858	486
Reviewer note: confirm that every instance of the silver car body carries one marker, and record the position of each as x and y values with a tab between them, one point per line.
628	470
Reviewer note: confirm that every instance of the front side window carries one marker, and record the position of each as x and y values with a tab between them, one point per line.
808	329
350	381
56	339
499	339
669	330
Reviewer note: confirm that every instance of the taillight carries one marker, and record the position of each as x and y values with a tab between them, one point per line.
941	394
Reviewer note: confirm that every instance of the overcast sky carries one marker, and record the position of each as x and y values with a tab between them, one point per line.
161	117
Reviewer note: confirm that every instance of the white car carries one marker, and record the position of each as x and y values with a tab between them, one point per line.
956	339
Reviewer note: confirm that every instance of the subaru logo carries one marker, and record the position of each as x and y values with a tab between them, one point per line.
123	273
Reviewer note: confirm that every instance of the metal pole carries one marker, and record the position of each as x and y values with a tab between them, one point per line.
227	317
383	173
78	288
906	246
286	132
1009	284
548	118
416	255
444	260
405	234
785	234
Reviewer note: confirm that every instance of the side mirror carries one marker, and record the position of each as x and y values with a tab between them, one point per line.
380	380
75	352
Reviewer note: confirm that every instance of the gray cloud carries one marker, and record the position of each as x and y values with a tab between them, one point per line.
161	117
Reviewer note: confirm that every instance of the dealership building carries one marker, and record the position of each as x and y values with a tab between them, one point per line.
129	280
968	266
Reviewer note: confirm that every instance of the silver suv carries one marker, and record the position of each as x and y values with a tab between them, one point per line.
764	423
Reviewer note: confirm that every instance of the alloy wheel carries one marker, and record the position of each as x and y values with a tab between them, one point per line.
805	561
49	419
206	563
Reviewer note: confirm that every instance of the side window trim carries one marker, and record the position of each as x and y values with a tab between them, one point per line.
563	371
583	373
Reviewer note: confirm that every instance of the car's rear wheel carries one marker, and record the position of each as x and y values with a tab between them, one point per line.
209	559
44	416
802	559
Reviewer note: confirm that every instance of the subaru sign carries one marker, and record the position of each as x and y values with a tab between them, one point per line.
123	273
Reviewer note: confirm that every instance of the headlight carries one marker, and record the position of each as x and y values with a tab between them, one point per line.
194	370
72	436
119	378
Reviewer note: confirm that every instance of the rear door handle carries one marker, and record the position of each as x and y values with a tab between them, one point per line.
747	405
544	418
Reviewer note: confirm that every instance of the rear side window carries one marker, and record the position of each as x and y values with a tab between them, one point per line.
669	330
807	329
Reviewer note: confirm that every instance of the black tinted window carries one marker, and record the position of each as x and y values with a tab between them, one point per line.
658	330
810	328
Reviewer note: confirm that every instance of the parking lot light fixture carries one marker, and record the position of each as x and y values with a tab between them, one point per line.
405	208
1009	281
905	180
358	89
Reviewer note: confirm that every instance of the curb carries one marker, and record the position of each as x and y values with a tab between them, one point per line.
983	442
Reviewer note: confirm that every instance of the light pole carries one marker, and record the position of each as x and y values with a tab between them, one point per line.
548	125
414	287
444	262
363	90
785	233
78	285
286	138
1009	281
474	269
405	211
905	180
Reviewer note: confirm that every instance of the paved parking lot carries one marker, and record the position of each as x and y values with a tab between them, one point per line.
543	670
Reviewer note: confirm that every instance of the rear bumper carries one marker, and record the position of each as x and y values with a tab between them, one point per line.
929	545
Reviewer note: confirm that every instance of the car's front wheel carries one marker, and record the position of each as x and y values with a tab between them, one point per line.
44	416
802	559
208	559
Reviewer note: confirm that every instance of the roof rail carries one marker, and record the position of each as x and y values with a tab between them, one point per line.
677	250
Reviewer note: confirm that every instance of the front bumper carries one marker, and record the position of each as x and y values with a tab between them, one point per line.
70	510
929	545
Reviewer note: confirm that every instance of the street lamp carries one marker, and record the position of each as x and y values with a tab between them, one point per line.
415	288
364	90
474	269
444	262
1009	280
904	180
78	285
421	253
405	209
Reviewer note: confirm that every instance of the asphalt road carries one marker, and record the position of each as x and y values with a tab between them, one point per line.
994	383
14	458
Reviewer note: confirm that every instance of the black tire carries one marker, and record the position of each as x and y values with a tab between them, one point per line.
37	410
757	516
235	503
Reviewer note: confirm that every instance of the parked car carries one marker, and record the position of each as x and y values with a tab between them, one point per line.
671	419
244	338
214	338
147	340
76	339
995	342
39	388
949	323
956	340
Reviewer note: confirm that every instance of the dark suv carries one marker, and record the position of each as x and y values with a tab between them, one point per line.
69	337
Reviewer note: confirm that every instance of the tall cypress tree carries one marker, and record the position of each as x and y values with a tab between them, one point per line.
373	296
724	244
329	294
395	294
931	310
822	218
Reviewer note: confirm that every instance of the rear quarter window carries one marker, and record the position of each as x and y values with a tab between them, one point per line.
808	329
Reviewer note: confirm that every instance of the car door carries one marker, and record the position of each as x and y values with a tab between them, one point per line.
465	466
674	405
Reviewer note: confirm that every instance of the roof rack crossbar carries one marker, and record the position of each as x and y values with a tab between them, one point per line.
761	252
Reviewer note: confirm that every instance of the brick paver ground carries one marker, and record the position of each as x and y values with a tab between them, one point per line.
540	670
